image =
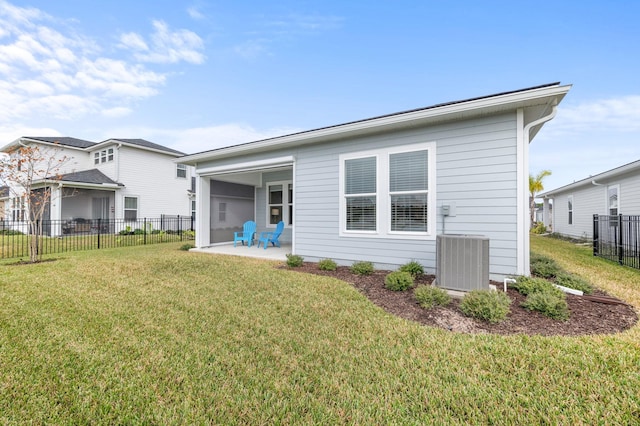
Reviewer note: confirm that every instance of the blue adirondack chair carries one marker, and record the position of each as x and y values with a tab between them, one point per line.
248	231
271	237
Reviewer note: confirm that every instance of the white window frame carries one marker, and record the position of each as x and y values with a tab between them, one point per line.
383	194
181	168
286	202
103	156
617	188
125	209
570	209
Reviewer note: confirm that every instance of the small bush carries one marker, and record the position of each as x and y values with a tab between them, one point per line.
429	296
139	231
544	267
294	261
574	282
539	228
530	285
10	232
548	304
398	281
186	247
327	265
487	305
414	268
362	268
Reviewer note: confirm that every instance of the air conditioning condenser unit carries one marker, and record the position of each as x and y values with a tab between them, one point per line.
462	262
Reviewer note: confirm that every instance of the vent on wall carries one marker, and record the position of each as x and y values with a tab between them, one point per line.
462	262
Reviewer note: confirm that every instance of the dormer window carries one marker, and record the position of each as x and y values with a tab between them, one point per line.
103	156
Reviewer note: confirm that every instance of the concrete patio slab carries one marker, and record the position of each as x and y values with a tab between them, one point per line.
272	253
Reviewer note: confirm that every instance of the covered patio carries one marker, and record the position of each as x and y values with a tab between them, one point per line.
271	253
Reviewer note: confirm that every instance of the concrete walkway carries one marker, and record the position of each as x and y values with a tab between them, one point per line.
273	253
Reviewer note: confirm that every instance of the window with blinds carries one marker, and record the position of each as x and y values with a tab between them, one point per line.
409	191
360	193
387	192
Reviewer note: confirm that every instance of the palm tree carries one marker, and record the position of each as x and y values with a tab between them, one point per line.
535	186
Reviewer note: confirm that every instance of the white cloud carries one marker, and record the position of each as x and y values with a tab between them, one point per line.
44	61
195	13
10	133
133	41
166	46
199	139
251	49
116	112
621	114
299	23
586	139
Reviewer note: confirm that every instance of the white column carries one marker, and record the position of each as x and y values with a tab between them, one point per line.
545	213
203	211
55	210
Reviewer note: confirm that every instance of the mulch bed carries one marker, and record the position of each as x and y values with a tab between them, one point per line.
586	316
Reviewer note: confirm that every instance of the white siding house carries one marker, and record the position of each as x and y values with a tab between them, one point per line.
126	179
616	191
376	189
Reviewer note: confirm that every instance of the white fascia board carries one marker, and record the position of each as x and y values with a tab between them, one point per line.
39	142
246	166
109	142
492	104
87	185
613	173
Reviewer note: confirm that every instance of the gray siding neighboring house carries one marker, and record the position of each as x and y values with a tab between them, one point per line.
616	191
373	190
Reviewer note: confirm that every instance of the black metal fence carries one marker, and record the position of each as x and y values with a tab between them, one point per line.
59	236
617	238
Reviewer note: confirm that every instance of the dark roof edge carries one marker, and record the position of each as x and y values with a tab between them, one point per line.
440	105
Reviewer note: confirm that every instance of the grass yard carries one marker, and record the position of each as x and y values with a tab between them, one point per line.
155	335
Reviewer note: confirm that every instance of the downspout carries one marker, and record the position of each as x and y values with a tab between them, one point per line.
117	179
523	256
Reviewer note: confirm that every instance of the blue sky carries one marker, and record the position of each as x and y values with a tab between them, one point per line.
203	74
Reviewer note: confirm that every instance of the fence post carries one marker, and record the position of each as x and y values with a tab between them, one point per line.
620	243
99	230
595	234
144	232
180	227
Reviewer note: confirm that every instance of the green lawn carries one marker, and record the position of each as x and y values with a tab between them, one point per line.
155	335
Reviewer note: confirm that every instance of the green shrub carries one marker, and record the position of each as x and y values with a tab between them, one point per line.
574	282
10	232
529	285
186	247
544	267
362	268
414	268
293	260
487	305
429	296
548	304
398	281
327	265
139	231
539	228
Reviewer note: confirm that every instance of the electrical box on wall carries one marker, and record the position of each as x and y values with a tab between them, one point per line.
449	209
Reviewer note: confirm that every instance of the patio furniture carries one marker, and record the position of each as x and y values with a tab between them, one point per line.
271	237
248	231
